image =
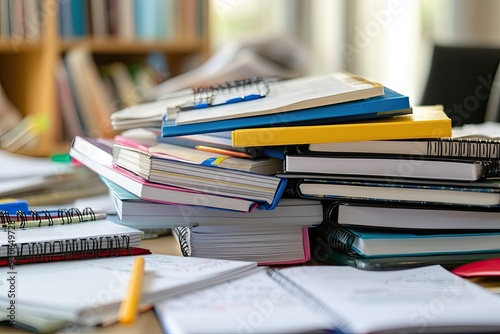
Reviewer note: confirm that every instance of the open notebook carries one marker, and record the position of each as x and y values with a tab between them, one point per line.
90	292
336	299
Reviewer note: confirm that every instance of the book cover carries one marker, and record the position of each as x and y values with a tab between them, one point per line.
389	104
411	216
445	147
388	166
138	213
368	242
426	193
423	122
323	253
281	96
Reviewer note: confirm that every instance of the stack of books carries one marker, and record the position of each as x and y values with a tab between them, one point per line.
232	193
401	202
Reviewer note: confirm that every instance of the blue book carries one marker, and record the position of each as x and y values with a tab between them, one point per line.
146	19
389	104
369	242
78	18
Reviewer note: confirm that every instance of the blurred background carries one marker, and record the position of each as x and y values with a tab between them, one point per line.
389	41
67	65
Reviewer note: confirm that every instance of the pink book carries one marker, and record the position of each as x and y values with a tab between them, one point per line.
96	155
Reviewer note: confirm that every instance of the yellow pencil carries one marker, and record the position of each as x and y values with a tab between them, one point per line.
130	304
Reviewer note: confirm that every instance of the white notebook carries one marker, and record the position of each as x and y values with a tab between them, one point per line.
329	298
90	292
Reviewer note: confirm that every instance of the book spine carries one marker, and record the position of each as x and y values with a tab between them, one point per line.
464	148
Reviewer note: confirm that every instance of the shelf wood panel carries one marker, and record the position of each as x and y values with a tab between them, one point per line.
120	46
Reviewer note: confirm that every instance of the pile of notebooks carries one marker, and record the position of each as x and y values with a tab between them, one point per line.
403	202
187	172
377	183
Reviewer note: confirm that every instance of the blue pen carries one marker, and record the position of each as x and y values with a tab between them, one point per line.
228	93
13	205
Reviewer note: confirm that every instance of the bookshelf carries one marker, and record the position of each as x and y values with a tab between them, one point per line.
28	63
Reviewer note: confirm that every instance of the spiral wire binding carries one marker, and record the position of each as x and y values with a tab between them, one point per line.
182	234
79	248
464	148
336	320
67	216
491	168
337	237
206	95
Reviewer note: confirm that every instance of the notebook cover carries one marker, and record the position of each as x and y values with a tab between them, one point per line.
389	104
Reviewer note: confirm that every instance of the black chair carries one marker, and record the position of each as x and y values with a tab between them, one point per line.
460	78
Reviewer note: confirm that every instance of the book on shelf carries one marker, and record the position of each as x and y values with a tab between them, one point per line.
264	242
389	104
368	242
137	213
481	194
311	299
205	172
71	117
96	155
323	252
450	147
93	101
165	276
388	166
11	116
417	216
423	122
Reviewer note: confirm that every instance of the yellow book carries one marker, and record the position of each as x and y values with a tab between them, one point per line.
424	122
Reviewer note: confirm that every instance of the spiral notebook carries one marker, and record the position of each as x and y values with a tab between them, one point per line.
57	236
150	114
220	94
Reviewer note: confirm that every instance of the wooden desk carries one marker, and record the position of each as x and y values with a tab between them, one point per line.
146	322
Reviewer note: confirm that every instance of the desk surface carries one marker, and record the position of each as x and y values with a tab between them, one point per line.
146	322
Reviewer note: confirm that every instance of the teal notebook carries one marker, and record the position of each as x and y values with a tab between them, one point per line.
322	252
368	242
